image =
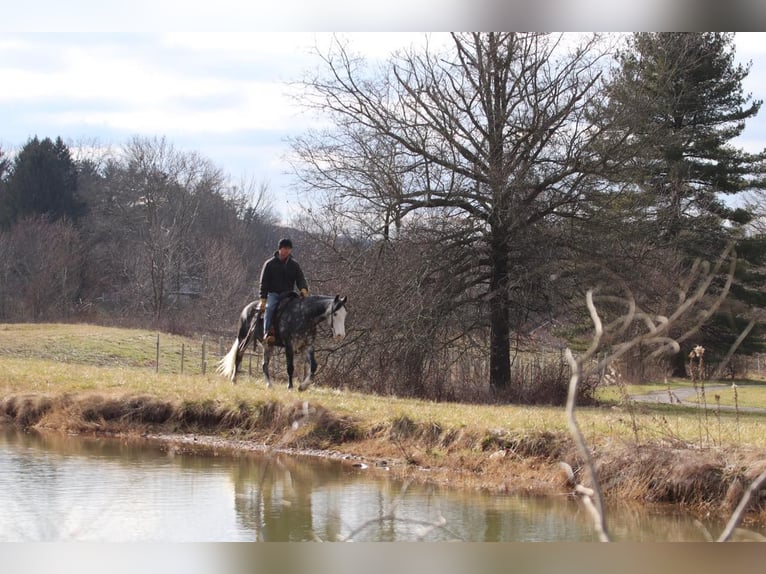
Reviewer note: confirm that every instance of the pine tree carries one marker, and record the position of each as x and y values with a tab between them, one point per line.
42	181
681	97
5	166
684	93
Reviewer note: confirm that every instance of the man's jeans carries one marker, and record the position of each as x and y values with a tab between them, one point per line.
272	300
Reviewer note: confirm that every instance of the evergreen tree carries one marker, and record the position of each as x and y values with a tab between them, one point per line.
681	96
5	166
42	181
685	100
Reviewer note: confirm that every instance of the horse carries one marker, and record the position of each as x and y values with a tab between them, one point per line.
295	321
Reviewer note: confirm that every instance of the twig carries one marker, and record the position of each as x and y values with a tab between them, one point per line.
597	509
740	510
745	332
657	336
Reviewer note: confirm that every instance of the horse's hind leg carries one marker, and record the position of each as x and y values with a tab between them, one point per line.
289	355
241	351
238	361
312	369
266	358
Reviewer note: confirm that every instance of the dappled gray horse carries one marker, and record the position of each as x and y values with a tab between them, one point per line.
296	324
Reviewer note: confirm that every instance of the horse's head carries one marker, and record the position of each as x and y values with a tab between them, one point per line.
337	317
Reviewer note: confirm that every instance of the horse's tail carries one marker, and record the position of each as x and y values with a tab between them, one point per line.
228	365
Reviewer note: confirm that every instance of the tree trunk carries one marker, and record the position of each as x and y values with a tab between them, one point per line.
500	343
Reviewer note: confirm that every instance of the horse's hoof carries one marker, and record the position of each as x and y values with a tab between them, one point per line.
306	382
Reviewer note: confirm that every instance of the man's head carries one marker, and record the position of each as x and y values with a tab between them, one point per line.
284	248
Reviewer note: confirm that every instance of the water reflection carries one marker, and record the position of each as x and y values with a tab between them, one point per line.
54	487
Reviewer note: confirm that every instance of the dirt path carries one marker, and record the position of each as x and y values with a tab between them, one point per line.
687	396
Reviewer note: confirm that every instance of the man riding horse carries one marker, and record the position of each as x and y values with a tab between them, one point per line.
280	274
294	327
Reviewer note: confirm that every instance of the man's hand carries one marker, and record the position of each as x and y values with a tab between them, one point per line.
263	307
304	293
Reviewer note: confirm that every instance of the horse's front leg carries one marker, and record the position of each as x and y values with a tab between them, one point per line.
289	352
266	359
312	369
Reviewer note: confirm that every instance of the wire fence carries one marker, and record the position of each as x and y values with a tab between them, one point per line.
201	357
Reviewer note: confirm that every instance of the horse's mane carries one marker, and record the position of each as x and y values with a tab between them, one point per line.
322	304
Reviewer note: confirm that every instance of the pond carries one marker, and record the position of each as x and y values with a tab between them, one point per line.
55	487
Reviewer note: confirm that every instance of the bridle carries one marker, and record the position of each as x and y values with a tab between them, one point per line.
333	310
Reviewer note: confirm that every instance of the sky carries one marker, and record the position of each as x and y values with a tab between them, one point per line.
226	95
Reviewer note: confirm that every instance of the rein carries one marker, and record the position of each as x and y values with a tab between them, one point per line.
333	310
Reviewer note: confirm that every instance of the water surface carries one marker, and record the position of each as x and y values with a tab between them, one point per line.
57	487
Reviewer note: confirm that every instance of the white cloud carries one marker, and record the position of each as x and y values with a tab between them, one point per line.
112	86
750	44
241	44
221	93
262	107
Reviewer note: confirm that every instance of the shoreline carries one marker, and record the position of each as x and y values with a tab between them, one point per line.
703	482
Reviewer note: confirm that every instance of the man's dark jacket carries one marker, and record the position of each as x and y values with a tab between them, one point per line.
278	276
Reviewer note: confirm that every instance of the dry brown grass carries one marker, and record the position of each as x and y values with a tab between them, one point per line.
498	447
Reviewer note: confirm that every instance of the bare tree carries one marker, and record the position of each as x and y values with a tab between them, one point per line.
224	283
167	187
499	132
253	232
40	269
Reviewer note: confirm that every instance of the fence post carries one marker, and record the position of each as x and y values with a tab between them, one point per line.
183	355
157	361
204	361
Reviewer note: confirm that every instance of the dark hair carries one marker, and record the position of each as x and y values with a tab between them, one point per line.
285	243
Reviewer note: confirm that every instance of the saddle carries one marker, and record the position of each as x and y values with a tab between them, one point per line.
284	298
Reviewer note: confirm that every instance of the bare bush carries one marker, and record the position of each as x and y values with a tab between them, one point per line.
415	329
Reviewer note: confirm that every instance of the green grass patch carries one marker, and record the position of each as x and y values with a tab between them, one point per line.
745	394
615	393
749	393
61	359
110	347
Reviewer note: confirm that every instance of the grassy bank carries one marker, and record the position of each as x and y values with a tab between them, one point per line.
81	378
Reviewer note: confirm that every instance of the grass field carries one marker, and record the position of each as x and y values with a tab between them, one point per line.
749	393
56	358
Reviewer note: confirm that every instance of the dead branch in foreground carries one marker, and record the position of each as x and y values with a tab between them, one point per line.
656	334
